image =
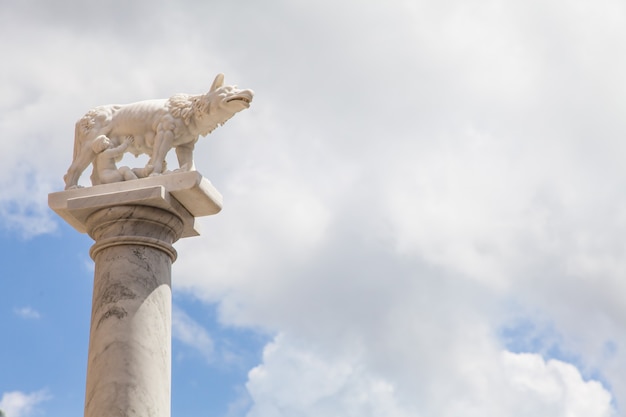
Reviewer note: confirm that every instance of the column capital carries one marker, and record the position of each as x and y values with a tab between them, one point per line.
138	225
187	195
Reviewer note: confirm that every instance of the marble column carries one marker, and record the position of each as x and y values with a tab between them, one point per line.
134	225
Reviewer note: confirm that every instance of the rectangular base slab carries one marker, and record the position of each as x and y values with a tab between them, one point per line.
188	194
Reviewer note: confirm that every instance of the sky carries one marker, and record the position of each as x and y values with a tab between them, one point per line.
424	207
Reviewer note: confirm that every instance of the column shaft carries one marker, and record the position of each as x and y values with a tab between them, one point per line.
129	360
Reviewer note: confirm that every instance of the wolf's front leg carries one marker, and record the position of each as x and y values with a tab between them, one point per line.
163	142
184	153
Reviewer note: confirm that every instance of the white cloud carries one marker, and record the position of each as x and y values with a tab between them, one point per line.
27	313
20	404
319	387
552	387
475	202
297	380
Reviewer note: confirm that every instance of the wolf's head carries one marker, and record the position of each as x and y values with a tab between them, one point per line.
220	104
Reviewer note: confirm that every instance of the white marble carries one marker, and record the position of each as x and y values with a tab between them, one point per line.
188	194
104	163
151	127
129	360
134	225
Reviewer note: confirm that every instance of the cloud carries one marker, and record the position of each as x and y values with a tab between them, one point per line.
20	404
324	388
552	388
471	185
503	384
27	313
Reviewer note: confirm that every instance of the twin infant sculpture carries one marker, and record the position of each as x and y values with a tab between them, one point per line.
151	127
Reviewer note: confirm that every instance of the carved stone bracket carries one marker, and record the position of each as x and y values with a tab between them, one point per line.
187	194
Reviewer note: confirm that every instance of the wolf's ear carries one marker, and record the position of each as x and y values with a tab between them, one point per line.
217	83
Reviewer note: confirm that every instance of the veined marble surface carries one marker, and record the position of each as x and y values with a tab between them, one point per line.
188	194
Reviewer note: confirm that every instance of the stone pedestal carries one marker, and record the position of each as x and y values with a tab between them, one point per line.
134	225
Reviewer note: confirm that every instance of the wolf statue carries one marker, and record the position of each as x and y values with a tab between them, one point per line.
156	126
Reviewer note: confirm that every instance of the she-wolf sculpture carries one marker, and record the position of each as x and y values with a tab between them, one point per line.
155	126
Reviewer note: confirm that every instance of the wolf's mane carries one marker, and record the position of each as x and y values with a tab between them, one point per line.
186	106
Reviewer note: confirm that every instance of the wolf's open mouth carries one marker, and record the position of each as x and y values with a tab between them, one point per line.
245	96
247	100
